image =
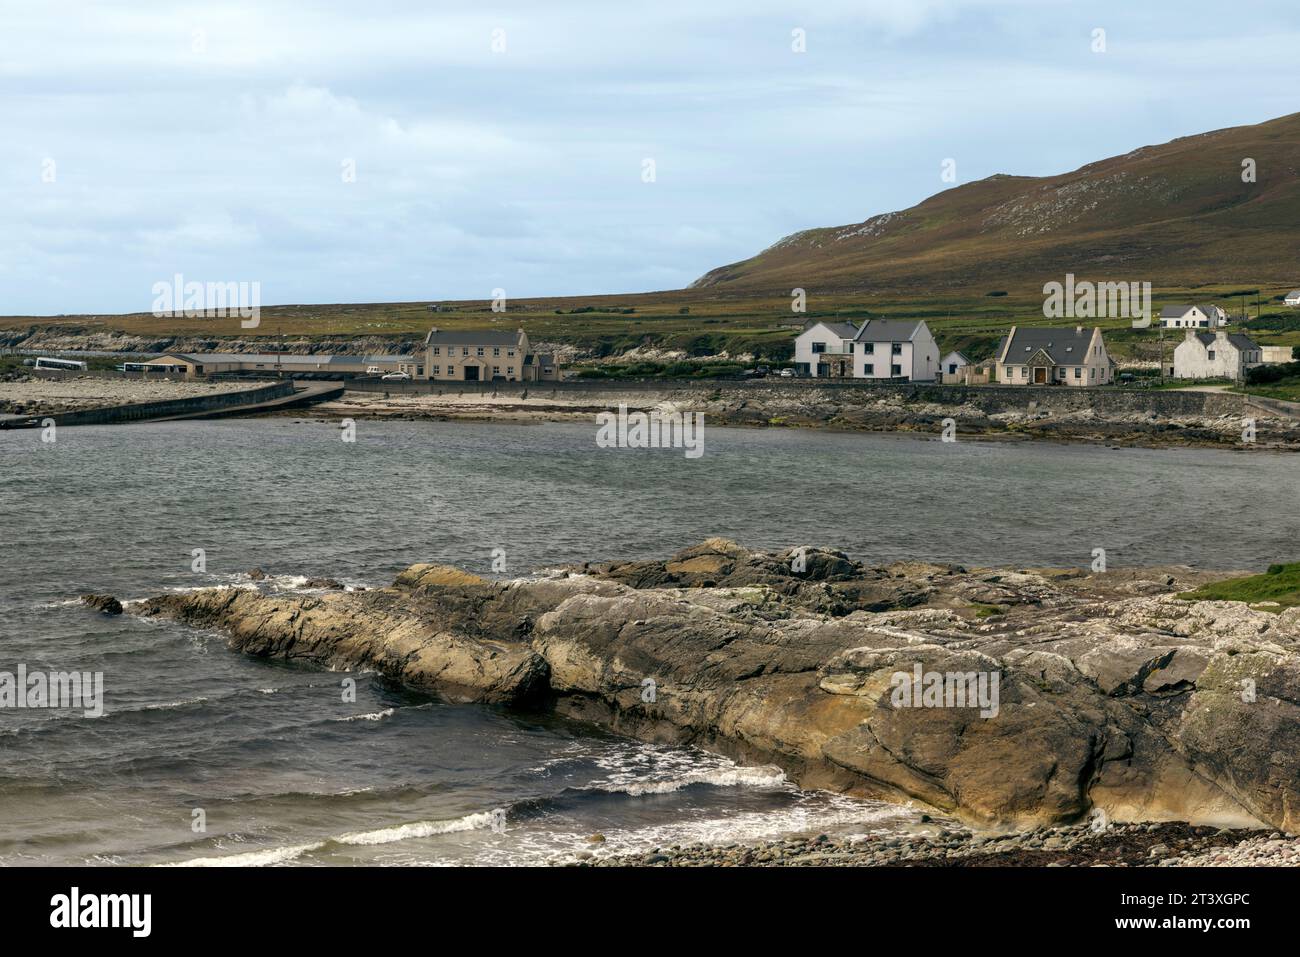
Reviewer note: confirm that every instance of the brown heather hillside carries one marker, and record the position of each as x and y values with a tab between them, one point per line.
1177	214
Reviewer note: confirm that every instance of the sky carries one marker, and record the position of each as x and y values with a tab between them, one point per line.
338	151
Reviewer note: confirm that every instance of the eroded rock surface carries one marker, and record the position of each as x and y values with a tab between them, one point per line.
1112	692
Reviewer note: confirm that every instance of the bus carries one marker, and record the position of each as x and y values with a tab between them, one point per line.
61	365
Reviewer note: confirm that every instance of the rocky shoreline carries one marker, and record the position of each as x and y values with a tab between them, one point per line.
1152	420
1112	695
1169	844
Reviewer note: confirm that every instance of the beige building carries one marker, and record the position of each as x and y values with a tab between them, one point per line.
276	363
1035	355
470	355
485	355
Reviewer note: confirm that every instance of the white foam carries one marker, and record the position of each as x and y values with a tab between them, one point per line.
658	769
735	777
403	832
748	827
262	858
372	716
384	835
172	704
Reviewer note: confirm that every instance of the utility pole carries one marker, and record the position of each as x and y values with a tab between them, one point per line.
1162	353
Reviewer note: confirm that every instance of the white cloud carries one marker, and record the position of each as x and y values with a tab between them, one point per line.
222	158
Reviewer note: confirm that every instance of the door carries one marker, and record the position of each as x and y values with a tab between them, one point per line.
471	373
1040	376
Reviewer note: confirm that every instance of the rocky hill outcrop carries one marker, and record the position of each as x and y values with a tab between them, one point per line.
1111	692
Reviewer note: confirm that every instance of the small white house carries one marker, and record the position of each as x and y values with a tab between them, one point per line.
1292	298
895	349
952	364
824	349
1193	317
1215	355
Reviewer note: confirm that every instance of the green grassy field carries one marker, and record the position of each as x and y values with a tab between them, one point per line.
697	322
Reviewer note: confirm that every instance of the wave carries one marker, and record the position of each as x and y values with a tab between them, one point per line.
733	777
402	832
271	856
262	858
167	706
372	716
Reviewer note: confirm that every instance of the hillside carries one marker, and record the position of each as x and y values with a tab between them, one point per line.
1177	214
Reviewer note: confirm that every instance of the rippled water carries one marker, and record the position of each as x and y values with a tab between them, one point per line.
284	771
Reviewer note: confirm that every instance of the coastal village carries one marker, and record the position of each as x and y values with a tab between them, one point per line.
873	350
896	351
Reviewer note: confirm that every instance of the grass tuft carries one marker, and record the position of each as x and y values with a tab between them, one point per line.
1280	584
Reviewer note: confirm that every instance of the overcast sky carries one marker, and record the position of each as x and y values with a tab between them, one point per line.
139	140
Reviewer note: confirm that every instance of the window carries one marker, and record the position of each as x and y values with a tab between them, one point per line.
897	348
1211	355
480	350
510	353
464	350
869	369
850	348
435	370
1078	372
496	370
895	370
436	350
451	371
869	348
818	348
1092	373
496	351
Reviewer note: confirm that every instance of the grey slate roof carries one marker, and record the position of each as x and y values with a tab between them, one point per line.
888	330
1174	312
473	337
271	358
1240	340
845	330
1064	346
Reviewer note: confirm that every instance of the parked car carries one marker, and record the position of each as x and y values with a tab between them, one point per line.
787	373
402	376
